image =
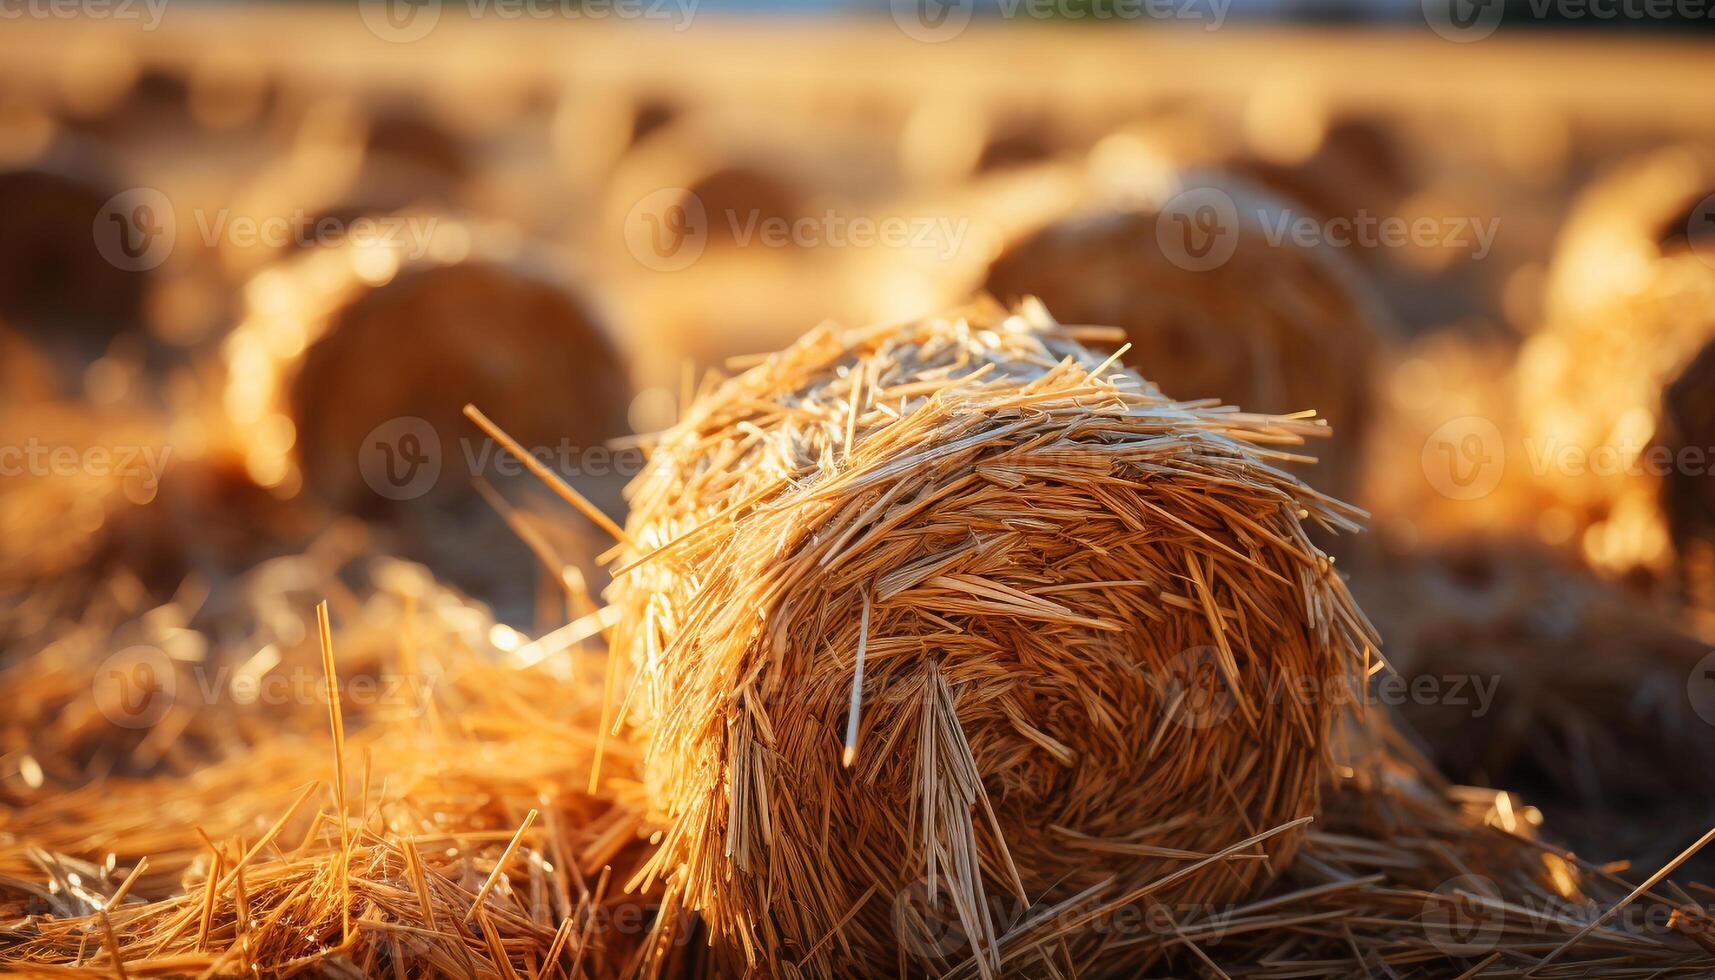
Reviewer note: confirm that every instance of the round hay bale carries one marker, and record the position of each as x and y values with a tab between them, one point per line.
730	176
139	100
721	234
592	130
55	281
314	199
1553	683
1357	164
951	137
388	131
1615	386
343	341
1276	326
938	618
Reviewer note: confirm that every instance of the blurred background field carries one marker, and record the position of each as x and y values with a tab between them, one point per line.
255	259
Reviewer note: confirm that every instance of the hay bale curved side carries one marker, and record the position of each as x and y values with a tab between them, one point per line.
931	616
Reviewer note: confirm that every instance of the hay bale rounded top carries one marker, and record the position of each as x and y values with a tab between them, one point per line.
935	616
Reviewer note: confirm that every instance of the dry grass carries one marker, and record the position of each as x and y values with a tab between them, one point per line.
450	833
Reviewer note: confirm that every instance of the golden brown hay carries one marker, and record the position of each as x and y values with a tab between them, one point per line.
1404	875
729	170
451	325
393	133
991	570
950	136
1274	326
151	98
449	828
1613	391
594	127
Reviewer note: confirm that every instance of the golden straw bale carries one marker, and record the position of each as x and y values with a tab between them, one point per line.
344	340
928	610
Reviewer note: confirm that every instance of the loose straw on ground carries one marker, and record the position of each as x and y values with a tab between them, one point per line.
453	752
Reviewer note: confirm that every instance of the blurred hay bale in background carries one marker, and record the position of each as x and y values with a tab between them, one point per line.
1444	462
1572	691
724	234
56	282
1614	390
1214	307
